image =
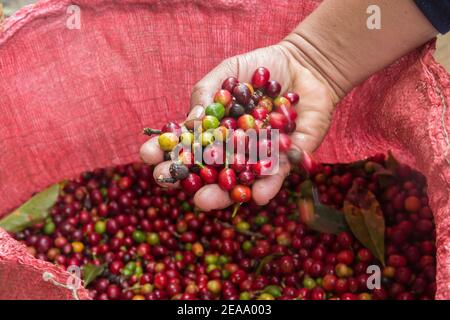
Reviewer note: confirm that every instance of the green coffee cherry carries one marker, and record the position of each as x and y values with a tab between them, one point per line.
216	110
210	122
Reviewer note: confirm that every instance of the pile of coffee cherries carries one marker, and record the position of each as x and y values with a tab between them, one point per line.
238	108
153	244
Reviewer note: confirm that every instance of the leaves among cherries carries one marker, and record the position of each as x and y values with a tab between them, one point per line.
33	211
92	272
363	217
366	221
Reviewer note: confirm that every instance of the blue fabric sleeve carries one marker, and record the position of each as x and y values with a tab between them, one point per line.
437	12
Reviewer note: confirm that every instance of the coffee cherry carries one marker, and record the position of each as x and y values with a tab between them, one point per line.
246	122
292	97
207	138
167	141
364	255
345	257
396	261
278	121
241	193
139	236
77	246
49	228
161	281
265	296
273	88
309	283
191	184
280	102
260	113
229	83
113	292
210	122
412	204
242	93
236	110
238	163
317	294
260	77
328	282
178	171
187	138
223	97
152	239
344	239
208	174
217	110
100	227
266	103
246	178
172	127
221	134
214	286
227	179
229	123
262	167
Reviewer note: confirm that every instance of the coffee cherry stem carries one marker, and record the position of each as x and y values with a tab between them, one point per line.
135	287
150	131
176	235
244	232
162	179
200	165
294	194
315	194
236	208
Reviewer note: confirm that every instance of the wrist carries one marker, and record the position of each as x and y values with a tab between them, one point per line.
314	57
335	43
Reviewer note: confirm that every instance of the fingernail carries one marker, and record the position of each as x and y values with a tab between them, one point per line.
195	115
196	112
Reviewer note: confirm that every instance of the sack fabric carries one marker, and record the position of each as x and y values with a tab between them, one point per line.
73	99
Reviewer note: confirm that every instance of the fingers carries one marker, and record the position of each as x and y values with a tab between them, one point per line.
212	197
162	171
150	151
266	189
315	111
196	114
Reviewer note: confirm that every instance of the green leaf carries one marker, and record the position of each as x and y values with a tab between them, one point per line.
391	162
265	261
320	217
328	220
366	221
33	211
306	189
92	272
357	164
385	177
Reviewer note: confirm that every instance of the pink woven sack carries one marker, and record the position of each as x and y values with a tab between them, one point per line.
76	99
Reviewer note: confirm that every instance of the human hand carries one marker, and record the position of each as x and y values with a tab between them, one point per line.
314	116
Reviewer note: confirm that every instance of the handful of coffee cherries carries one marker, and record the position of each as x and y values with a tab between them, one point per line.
237	141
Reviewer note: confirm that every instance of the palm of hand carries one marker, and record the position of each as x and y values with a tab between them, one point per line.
314	117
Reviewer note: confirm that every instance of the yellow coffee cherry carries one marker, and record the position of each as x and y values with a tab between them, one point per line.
77	246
